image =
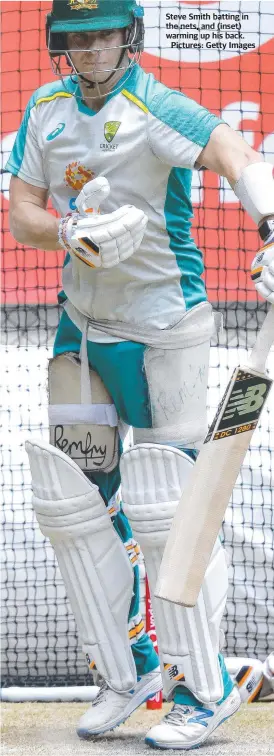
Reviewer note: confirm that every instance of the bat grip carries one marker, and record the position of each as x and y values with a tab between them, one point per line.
263	343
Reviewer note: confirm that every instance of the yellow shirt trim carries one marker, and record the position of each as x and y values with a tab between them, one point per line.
53	97
136	101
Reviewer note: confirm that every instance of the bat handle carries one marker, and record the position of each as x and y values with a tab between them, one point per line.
263	343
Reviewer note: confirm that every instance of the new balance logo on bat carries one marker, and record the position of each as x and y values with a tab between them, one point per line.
242	404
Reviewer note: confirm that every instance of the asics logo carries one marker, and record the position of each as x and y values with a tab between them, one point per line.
55	133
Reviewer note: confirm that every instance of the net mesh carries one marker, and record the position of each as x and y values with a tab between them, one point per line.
40	644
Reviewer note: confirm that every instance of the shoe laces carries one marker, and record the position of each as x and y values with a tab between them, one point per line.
101	695
179	714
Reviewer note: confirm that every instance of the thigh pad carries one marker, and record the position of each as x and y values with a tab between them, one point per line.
87	433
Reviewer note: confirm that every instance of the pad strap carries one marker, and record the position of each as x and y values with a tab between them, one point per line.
85	414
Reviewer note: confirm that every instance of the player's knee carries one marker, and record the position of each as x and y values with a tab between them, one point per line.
153	477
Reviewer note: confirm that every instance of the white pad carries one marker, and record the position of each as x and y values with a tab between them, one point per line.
153	477
92	559
248	674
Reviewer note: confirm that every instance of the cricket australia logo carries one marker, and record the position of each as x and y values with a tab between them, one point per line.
83	4
110	130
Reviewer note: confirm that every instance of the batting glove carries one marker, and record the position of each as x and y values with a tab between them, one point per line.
262	270
102	241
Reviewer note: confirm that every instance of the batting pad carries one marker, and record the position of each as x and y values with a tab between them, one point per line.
93	561
153	477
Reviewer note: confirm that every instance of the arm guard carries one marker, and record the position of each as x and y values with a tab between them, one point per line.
255	190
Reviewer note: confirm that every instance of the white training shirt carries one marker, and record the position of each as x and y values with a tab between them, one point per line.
145	141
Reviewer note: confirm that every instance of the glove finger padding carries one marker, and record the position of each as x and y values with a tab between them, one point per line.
92	195
265	292
106	240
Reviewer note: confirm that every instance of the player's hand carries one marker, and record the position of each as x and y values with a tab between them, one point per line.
106	240
262	270
102	240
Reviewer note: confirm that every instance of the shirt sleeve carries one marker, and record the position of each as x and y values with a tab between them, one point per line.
179	128
26	159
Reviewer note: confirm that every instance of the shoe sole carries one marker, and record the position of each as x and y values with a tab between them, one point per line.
144	695
181	746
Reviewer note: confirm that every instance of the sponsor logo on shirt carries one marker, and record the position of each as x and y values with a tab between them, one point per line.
72	203
76	175
55	133
83	4
110	130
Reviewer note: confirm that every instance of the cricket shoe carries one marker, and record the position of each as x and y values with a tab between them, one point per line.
110	709
187	727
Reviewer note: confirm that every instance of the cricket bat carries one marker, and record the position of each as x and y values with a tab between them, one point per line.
201	509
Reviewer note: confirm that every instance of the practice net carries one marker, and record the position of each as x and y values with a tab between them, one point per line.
40	645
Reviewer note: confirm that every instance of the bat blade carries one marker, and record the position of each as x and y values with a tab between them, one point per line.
201	510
